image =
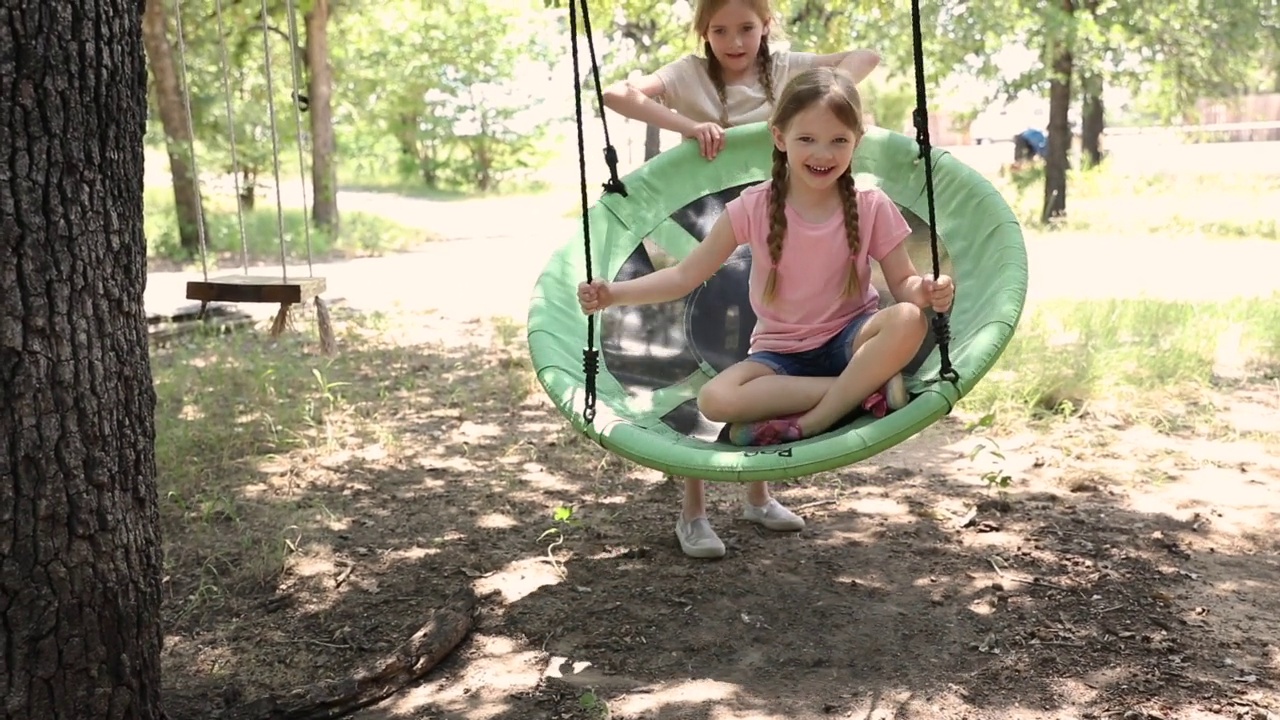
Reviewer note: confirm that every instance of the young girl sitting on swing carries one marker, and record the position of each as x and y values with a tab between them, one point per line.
820	348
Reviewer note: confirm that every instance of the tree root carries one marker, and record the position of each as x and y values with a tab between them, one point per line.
431	644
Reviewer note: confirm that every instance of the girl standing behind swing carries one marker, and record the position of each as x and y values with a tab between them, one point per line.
820	348
734	84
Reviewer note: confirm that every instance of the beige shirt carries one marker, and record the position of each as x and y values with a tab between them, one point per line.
687	89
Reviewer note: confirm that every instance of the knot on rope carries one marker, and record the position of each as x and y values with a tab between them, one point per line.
590	360
613	184
921	119
591	366
942	333
942	329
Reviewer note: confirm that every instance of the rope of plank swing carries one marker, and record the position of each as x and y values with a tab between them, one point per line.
590	356
324	323
191	149
231	134
941	323
275	139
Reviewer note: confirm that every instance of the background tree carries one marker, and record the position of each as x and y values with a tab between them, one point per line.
78	505
888	95
459	115
324	172
465	115
644	38
175	121
1170	55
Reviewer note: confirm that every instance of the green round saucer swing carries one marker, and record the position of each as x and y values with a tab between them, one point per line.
636	395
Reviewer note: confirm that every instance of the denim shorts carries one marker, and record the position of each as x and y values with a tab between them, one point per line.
827	360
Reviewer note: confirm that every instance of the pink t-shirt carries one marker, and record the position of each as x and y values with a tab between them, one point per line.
809	307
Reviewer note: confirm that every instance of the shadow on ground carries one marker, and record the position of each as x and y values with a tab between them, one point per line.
318	534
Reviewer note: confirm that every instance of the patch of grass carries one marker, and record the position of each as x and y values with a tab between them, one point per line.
247	429
1104	201
361	234
1134	360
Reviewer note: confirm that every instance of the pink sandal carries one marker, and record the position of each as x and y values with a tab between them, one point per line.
766	432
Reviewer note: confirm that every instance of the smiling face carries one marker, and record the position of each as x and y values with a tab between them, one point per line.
819	142
734	30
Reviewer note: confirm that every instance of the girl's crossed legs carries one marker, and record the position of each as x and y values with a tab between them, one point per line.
758	398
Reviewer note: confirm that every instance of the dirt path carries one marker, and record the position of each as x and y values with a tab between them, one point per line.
494	250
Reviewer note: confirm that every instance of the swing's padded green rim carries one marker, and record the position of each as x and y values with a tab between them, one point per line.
983	239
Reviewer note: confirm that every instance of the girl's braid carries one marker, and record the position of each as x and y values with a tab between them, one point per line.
777	219
765	60
717	78
849	199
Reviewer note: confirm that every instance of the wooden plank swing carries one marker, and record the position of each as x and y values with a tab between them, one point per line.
246	288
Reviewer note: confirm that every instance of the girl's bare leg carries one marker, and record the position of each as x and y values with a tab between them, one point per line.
694	504
881	349
750	391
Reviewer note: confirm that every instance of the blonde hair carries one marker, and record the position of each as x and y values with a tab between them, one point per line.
702	14
835	90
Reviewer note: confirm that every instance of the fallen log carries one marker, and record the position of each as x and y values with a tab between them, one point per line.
407	664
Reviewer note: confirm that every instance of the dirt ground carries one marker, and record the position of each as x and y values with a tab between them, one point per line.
1125	574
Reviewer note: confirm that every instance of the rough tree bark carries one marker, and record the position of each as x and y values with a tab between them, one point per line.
324	176
1093	116
79	545
174	120
1058	159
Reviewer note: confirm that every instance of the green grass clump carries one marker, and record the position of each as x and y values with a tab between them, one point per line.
246	424
1142	359
1108	202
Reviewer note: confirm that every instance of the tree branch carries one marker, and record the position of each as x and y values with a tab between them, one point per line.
299	51
433	642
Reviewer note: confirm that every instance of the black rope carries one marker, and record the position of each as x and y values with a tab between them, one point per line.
941	323
613	184
590	356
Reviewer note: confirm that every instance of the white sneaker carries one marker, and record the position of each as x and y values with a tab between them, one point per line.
697	539
773	516
895	393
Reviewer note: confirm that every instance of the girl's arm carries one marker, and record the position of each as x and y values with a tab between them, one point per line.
634	99
903	279
675	282
858	63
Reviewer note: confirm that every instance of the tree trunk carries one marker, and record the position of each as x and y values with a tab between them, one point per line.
1058	160
248	190
79	537
174	118
652	141
324	176
1092	121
